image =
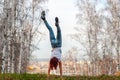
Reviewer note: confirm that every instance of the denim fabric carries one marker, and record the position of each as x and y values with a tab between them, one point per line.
55	42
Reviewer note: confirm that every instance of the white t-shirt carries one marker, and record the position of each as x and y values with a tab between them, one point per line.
56	52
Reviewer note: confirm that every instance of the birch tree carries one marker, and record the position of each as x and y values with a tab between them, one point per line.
19	21
101	33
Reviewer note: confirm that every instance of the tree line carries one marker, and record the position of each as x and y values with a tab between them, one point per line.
99	34
19	21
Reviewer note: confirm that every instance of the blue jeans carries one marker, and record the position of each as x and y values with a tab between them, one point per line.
55	42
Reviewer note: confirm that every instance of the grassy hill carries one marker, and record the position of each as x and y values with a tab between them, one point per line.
54	77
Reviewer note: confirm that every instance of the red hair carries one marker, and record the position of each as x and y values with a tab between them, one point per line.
53	63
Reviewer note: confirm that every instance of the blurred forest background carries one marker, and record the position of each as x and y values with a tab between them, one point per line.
19	22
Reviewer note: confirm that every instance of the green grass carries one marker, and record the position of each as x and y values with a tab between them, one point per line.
54	77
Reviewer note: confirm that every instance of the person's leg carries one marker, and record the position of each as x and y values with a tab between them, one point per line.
59	36
60	67
52	37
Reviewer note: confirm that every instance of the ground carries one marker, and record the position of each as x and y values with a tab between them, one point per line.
54	77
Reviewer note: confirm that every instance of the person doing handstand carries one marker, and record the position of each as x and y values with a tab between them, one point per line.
56	44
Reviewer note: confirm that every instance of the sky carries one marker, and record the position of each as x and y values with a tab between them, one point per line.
66	10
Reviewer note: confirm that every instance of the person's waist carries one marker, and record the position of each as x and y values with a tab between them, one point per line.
57	46
56	49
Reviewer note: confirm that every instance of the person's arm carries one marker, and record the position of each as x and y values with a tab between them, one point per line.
49	70
60	67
